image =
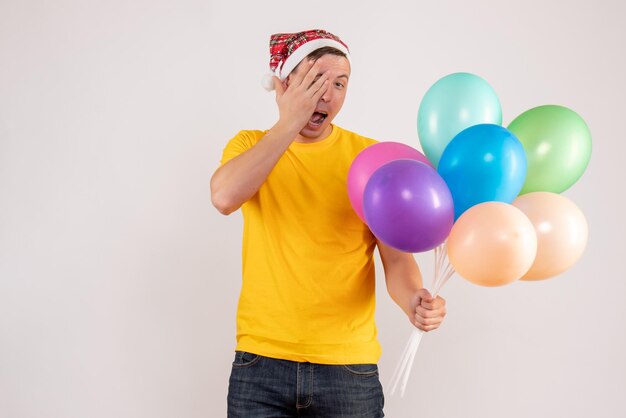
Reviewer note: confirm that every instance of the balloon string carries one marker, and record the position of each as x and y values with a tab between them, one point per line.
443	272
441	256
441	251
397	372
409	366
447	277
447	273
410	347
437	261
413	344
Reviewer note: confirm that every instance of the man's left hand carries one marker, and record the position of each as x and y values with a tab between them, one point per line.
429	312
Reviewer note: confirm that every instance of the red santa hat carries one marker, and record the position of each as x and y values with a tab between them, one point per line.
288	49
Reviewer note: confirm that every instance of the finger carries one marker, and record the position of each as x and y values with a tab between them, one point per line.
310	76
425	295
428	313
323	87
433	303
427	321
426	304
302	70
429	318
418	299
426	328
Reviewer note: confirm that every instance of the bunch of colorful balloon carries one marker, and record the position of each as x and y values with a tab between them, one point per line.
492	210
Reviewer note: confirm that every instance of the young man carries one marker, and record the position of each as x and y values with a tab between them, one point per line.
306	338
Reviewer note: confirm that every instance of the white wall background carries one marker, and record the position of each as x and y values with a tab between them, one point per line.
119	281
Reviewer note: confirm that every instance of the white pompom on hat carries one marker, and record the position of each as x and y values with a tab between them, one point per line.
288	49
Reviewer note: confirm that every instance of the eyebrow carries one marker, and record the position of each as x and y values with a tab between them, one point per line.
339	76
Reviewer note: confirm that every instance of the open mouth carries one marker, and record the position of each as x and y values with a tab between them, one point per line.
318	118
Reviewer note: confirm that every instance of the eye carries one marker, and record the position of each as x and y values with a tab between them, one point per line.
339	85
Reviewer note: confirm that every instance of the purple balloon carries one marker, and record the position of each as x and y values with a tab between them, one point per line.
370	160
408	206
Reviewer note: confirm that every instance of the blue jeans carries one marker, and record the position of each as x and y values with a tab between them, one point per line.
263	387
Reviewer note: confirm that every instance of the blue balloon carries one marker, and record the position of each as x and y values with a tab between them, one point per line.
483	163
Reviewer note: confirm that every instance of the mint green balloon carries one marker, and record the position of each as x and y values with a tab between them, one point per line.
557	143
455	102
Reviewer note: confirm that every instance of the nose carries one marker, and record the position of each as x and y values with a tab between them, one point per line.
327	96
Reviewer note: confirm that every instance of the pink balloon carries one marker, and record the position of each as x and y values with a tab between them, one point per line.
370	160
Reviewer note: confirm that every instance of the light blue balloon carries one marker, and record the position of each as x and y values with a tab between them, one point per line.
455	102
483	163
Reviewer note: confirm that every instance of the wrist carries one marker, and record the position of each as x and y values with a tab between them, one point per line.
286	129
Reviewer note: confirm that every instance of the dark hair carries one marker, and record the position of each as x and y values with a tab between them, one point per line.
318	53
327	50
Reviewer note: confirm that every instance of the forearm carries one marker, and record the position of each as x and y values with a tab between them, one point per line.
402	275
403	281
240	178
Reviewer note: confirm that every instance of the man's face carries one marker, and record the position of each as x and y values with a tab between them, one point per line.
330	103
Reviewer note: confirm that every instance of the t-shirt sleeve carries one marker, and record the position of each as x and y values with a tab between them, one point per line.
240	143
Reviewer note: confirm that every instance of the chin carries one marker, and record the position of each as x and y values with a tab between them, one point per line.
308	133
314	133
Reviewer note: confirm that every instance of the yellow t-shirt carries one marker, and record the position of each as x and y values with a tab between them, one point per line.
308	291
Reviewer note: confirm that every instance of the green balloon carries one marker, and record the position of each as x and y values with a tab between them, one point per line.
455	102
557	143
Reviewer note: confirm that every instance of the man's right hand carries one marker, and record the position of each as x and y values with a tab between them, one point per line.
298	101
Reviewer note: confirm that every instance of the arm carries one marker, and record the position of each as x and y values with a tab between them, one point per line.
240	178
404	285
